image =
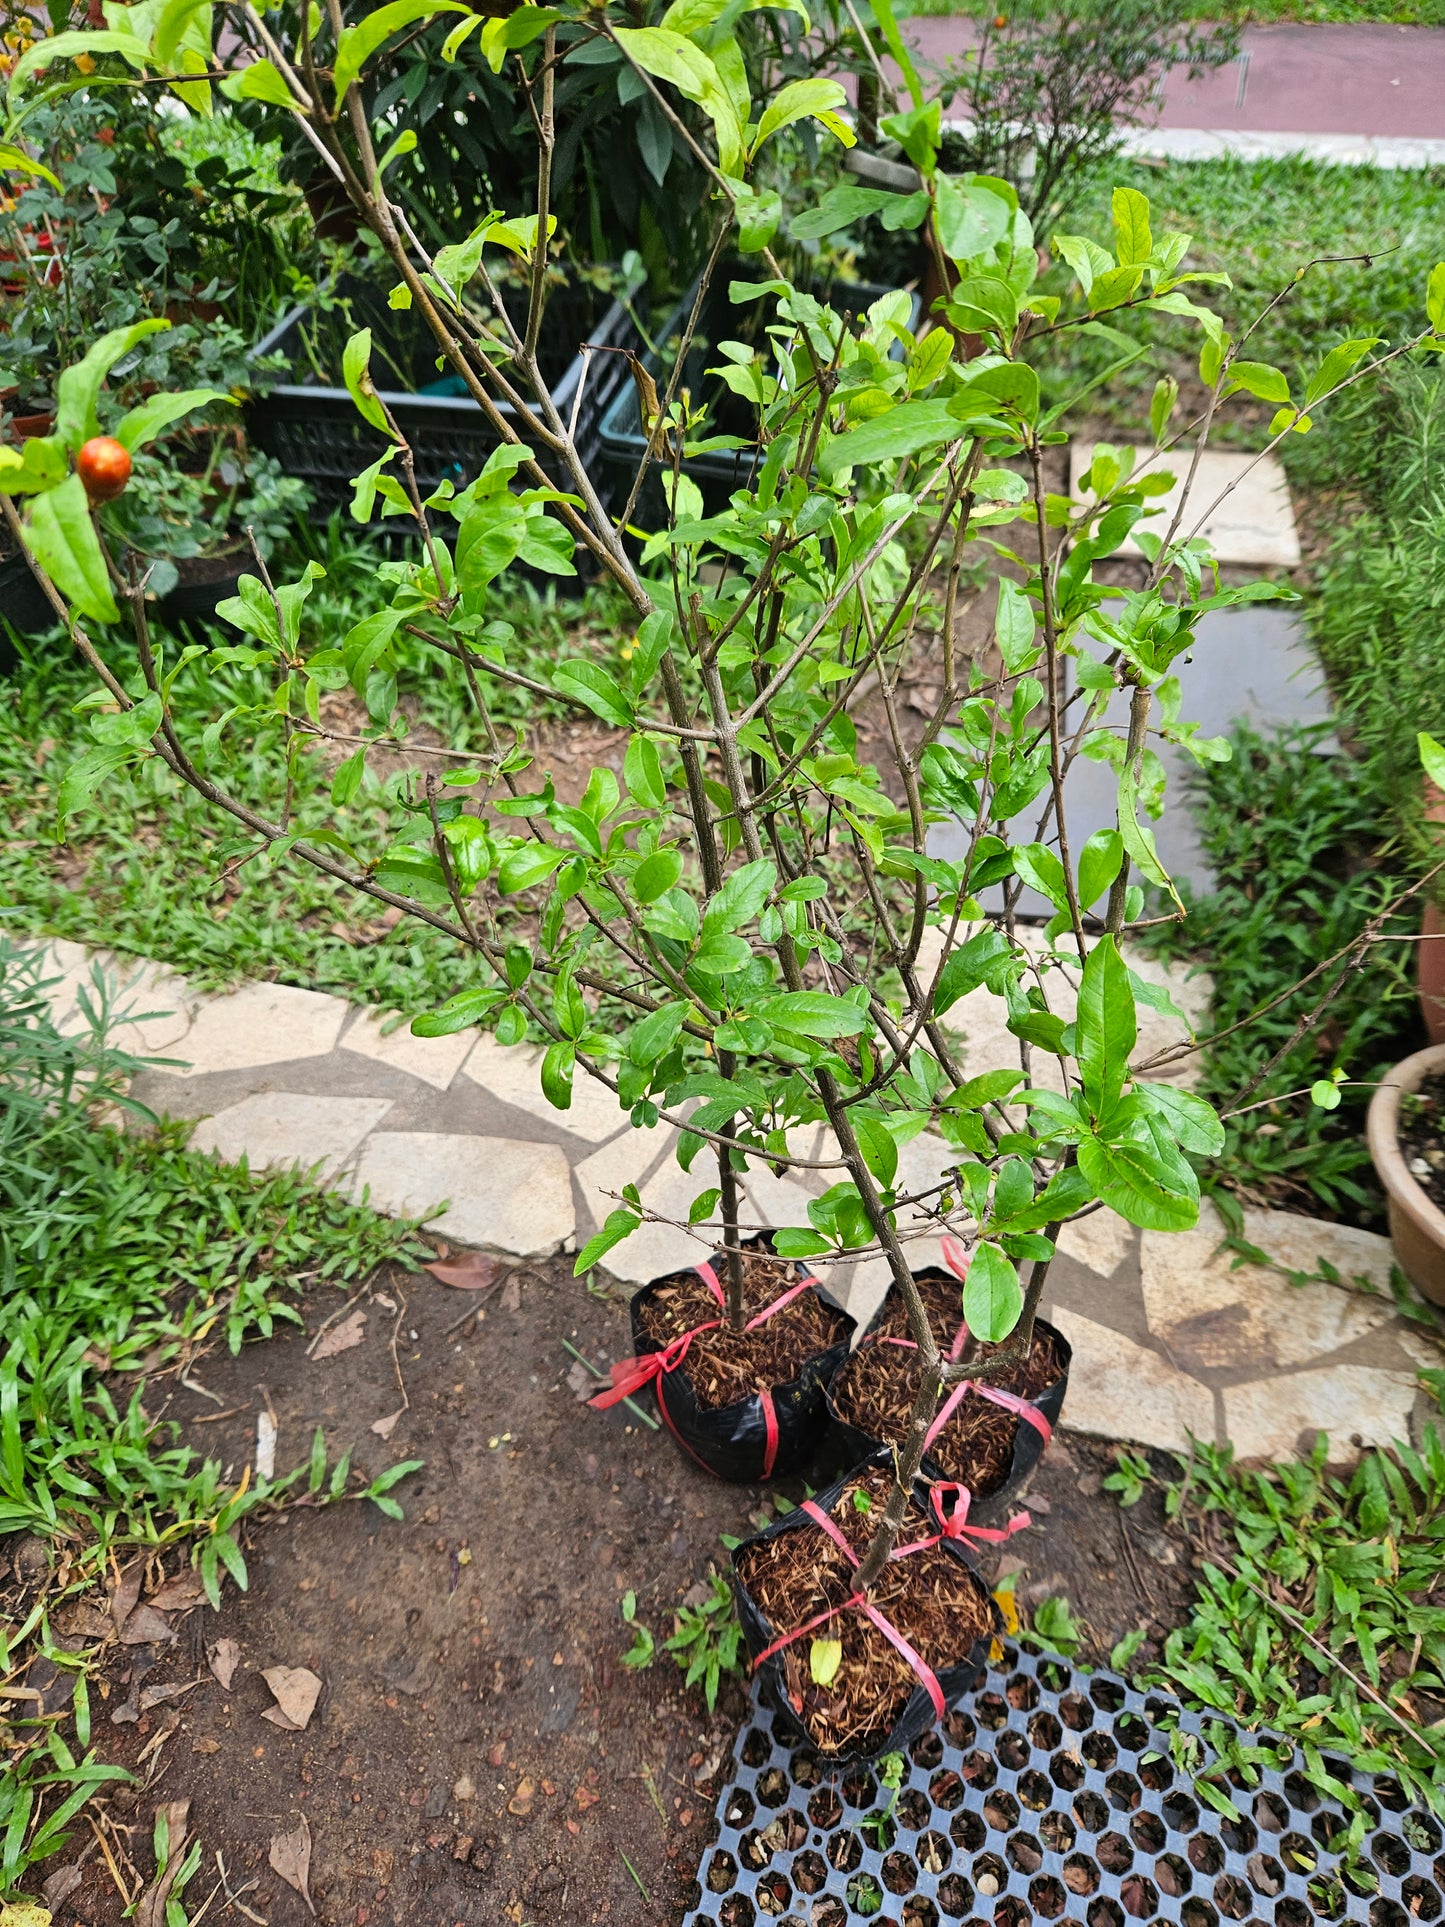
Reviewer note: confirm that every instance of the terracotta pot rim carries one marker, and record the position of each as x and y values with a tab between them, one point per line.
1382	1136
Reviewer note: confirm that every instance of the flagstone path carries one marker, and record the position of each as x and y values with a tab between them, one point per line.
1170	1337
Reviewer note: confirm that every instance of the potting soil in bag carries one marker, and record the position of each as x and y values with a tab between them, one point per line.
698	1367
989	1436
863	1676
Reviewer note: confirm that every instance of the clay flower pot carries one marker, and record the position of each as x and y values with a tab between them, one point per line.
1417	1225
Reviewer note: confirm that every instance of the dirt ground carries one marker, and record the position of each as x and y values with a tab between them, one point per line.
477	1753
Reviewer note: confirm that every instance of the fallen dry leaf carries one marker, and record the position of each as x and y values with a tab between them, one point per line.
154	1695
581	1383
205	1746
124	1598
297	1690
512	1294
63	1881
146	1627
472	1271
290	1857
351	1331
224	1657
24	1913
80	1619
151	1907
384	1427
178	1595
521	1801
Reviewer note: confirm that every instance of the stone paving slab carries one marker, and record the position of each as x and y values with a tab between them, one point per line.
1240	503
1171	1337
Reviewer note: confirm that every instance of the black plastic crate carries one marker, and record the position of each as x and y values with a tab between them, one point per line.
717	474
23	607
311	425
1061	1795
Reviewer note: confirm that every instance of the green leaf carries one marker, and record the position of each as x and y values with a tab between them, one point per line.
68	46
556	1074
1435	298
791	1242
260	81
992	1298
742	896
585	683
15	160
1257	378
904	430
143	424
802	100
347	780
975	962
813	1013
1192	1121
87	773
825	1656
525	866
1099	863
656	874
468	1007
656	1034
1014	625
356	373
1432	758
1128	1179
78	387
1135	243
642	772
878	1145
1106	1026
971	219
619	1224
357	44
1324	1094
668	56
61	536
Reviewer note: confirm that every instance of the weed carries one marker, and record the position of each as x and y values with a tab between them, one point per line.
1315	1614
1130	1476
643	1650
1054	1628
1295	840
707	1641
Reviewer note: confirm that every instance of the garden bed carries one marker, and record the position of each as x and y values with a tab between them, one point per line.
480	1639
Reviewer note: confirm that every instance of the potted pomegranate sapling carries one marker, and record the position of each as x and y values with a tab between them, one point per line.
756	935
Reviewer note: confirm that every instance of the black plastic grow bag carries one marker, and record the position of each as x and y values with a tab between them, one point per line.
763	1436
921	1708
853	1443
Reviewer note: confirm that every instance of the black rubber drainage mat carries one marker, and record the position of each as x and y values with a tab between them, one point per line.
1052	1794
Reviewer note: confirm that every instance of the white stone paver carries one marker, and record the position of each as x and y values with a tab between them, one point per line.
1278	1361
285	1128
512	1074
1274	1418
1212	1314
262	1024
1120	1390
510	1196
1239	503
435	1060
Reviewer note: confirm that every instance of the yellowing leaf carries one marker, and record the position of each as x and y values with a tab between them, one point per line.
825	1656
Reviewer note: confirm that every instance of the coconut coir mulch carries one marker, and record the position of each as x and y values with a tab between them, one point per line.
723	1365
931	1597
877	1386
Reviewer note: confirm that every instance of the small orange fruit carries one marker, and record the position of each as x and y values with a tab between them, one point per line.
104	467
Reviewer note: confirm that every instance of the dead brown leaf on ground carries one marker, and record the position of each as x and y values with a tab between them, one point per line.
470	1271
179	1594
512	1294
580	1382
290	1858
151	1907
297	1690
224	1657
351	1331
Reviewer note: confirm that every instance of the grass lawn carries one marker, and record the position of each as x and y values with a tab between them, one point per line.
1407	13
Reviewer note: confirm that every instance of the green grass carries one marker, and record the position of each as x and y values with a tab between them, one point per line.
121	1256
1261	221
1299	845
145	869
1315	1616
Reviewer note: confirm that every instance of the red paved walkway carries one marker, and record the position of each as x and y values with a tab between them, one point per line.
1376	80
